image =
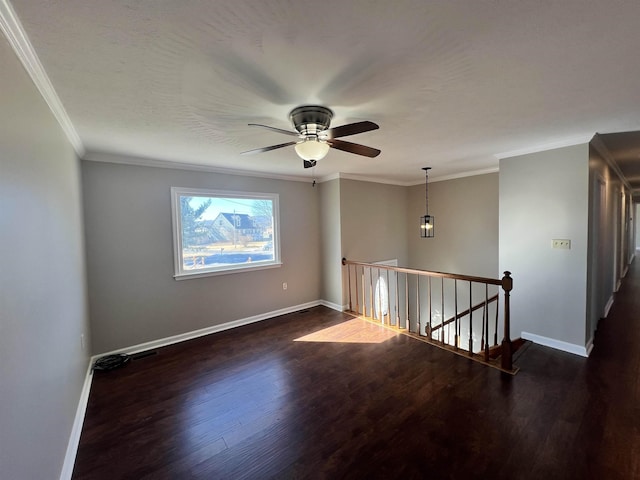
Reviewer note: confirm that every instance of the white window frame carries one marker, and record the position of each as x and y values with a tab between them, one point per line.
180	273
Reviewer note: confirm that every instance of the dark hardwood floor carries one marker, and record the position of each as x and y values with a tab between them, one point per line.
254	403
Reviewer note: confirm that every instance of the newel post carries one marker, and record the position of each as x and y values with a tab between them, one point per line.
507	285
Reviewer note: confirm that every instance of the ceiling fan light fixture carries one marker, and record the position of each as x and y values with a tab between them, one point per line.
312	149
315	138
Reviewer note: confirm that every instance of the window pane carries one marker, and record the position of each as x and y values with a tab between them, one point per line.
220	233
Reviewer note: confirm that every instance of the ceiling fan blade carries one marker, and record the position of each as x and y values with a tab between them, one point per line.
351	129
309	163
354	148
266	149
279	130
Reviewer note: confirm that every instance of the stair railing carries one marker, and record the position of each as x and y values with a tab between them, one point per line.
457	312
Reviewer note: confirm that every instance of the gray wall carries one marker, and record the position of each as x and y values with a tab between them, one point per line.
372	221
606	256
133	296
42	288
636	210
466	224
362	221
545	196
331	241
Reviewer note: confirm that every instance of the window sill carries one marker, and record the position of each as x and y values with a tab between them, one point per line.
214	273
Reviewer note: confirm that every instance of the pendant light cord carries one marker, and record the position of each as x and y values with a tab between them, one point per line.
426	189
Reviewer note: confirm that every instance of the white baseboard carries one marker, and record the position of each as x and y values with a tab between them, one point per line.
182	337
74	440
607	307
76	430
334	306
559	344
589	346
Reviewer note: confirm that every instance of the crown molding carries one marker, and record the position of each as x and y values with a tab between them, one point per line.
567	142
432	179
328	178
364	178
107	157
17	38
454	176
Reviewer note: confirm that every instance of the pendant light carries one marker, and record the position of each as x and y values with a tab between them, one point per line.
427	222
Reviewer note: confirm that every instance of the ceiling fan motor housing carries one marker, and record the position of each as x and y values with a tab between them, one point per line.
311	117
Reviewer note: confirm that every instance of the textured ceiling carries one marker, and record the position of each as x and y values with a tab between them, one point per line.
453	85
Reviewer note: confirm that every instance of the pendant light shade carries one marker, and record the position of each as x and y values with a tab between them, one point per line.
427	222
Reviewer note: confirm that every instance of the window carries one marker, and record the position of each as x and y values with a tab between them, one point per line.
217	232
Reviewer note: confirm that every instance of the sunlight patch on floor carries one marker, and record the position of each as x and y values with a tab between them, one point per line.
352	331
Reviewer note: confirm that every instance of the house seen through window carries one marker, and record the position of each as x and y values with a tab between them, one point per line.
221	232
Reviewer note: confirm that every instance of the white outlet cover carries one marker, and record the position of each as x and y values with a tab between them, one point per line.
561	243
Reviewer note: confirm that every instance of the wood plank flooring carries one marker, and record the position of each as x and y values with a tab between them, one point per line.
254	403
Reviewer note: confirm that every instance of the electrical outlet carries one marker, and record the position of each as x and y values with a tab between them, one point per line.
284	286
562	243
82	341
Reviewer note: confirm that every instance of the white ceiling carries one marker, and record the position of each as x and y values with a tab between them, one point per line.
453	84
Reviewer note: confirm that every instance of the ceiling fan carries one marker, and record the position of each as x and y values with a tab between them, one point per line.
315	137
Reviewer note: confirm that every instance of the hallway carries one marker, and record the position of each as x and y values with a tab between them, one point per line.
592	406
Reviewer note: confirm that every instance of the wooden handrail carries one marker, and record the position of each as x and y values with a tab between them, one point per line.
427	273
506	282
466	312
